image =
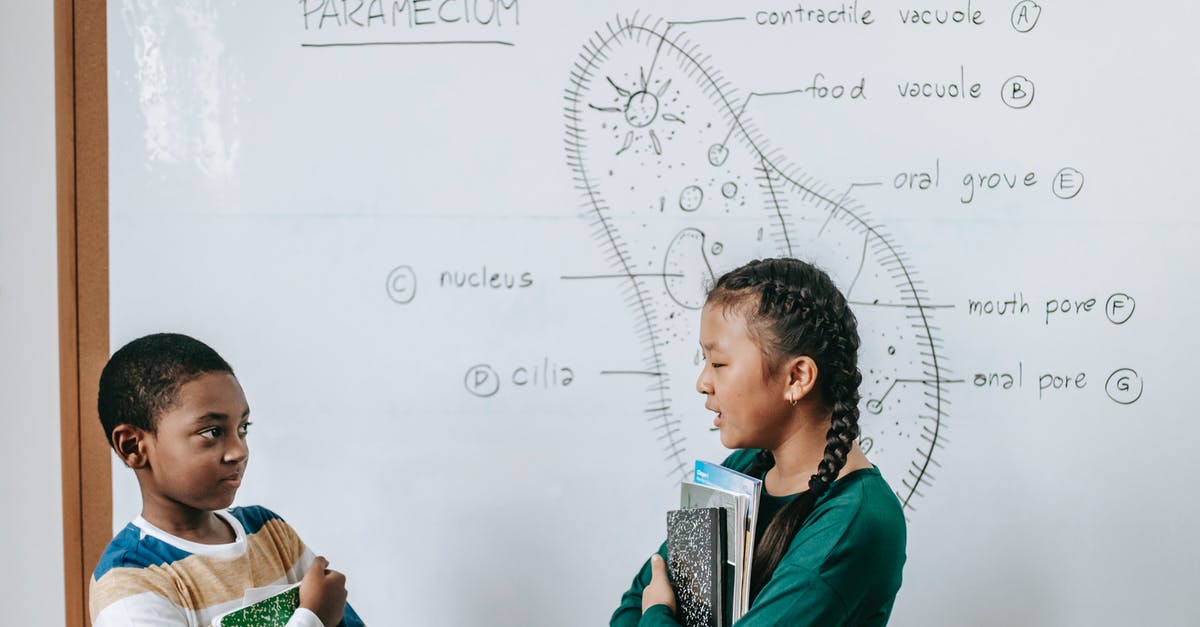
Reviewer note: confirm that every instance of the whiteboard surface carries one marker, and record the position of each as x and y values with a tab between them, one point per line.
455	257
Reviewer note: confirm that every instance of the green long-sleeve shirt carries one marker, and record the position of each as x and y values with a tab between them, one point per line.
842	568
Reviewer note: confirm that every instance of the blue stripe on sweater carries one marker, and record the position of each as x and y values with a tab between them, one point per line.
130	550
253	517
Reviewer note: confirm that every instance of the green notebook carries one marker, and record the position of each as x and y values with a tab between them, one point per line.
276	609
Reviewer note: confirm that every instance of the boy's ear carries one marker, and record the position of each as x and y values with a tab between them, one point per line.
130	443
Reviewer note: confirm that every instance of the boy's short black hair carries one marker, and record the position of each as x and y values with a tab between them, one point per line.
142	379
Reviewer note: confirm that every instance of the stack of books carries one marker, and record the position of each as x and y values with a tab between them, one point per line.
710	539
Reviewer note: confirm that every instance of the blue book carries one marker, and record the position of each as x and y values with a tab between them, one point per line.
748	491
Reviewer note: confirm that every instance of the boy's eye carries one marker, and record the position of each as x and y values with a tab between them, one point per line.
716	365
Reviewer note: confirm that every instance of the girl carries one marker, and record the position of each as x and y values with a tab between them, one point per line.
781	372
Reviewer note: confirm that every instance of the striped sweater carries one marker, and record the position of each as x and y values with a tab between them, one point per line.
148	577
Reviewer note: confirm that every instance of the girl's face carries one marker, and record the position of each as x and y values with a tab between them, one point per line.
751	403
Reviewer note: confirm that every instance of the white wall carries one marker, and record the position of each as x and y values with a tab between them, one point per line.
31	582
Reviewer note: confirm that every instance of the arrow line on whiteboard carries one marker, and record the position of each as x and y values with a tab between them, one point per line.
838	205
905	305
459	42
875	405
712	21
622	276
742	111
663	39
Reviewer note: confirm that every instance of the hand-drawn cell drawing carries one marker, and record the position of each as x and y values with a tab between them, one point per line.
649	119
691	197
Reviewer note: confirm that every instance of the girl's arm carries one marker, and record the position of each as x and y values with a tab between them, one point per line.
796	597
629	612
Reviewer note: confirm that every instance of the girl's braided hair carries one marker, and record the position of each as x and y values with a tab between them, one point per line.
792	309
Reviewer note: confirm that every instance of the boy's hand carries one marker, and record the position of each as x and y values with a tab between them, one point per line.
659	591
323	592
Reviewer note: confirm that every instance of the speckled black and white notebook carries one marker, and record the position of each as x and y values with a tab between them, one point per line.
695	561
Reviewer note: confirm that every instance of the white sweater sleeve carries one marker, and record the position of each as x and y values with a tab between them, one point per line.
304	618
143	610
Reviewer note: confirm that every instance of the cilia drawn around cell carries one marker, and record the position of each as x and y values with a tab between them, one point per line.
649	120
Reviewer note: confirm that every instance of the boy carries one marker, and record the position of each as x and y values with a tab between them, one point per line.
174	412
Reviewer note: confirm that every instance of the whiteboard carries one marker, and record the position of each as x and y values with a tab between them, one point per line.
455	252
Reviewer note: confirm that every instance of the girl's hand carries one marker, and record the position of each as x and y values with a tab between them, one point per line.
659	591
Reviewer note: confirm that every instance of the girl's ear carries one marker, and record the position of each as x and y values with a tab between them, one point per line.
131	444
801	378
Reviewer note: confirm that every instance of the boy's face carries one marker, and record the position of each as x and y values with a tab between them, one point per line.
198	453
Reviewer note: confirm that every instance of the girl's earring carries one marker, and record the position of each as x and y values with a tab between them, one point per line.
793	400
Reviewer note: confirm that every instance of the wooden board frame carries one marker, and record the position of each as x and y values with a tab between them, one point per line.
81	146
